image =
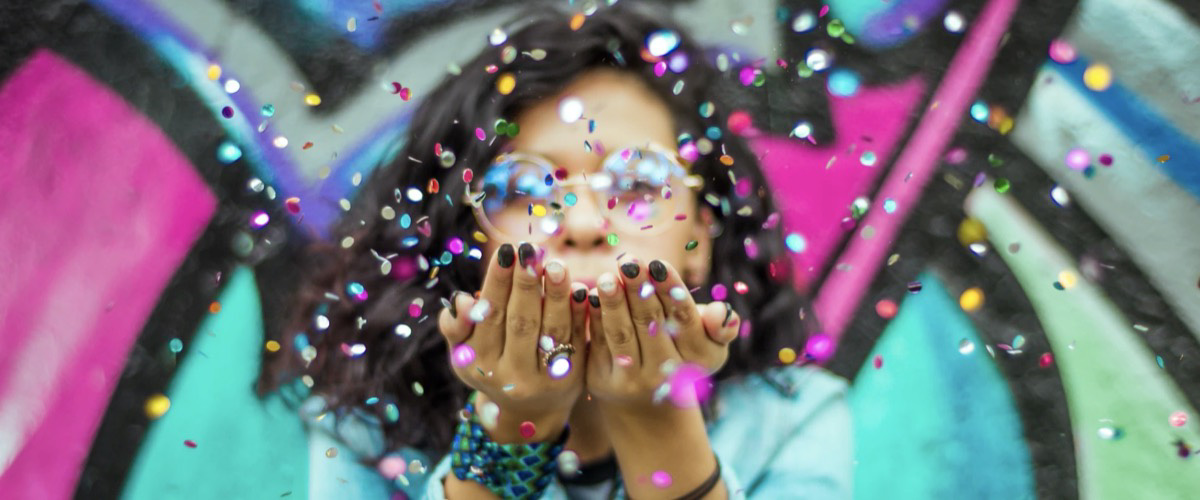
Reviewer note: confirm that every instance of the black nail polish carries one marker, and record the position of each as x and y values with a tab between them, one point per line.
579	295
728	314
525	253
631	270
594	300
449	305
506	255
454	305
658	271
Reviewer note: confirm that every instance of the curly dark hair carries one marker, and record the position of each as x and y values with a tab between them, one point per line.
403	350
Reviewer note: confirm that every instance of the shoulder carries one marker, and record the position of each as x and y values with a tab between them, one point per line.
795	390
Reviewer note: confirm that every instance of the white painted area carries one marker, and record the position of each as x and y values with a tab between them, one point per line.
1147	214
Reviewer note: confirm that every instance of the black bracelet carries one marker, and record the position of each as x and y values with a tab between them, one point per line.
706	486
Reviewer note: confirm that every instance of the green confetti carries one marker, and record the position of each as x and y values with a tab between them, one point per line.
836	28
994	160
691	245
1002	185
612	239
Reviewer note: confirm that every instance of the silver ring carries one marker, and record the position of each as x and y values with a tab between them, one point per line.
556	357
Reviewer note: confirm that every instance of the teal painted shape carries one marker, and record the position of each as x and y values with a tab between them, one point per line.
934	423
245	447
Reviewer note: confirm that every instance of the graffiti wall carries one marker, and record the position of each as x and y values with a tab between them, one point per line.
995	205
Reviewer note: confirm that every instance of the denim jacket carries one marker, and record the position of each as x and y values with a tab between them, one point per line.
782	433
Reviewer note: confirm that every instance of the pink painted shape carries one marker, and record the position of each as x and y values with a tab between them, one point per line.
840	294
97	211
814	199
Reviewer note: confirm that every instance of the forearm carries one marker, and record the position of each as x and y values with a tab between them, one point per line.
671	440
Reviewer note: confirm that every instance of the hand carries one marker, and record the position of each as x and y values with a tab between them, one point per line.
644	321
494	344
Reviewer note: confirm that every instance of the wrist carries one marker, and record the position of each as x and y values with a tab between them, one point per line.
513	427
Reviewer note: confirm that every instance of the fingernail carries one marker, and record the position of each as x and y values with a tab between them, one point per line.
449	306
454	304
679	293
506	255
607	283
555	271
631	270
728	314
526	254
579	295
594	300
658	271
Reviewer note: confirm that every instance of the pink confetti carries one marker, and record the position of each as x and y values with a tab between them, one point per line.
480	134
878	361
660	479
741	288
292	204
690	385
189	443
1046	360
719	292
528	429
468	175
463	355
660	68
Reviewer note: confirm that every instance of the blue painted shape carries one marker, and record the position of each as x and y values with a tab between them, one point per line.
1144	126
881	24
245	447
933	422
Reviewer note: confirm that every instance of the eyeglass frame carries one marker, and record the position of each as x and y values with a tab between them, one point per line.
690	181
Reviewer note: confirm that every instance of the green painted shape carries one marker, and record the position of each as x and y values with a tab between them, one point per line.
933	422
1109	375
245	447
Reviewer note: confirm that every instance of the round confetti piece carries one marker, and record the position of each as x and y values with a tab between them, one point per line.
787	355
175	345
613	239
886	308
392	467
741	288
1109	433
272	346
1178	419
719	292
568	463
954	22
1061	51
970	231
1046	360
662	42
156	406
1067	278
577	21
527	429
463	355
878	361
660	479
819	347
971	299
965	346
228	152
1078	159
570	109
214	72
842	83
332	452
1097	77
506	83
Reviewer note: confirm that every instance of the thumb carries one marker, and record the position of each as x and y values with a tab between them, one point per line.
720	321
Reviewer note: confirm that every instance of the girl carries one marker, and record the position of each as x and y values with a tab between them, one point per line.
594	235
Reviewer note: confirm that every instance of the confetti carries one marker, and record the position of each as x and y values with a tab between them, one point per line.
1178	419
356	291
965	347
886	308
479	311
1097	77
691	245
189	443
332	452
843	83
1062	52
819	347
214	72
392	467
1046	360
156	406
570	109
1109	433
878	361
719	292
402	91
506	83
971	299
228	152
568	463
463	355
351	24
662	42
613	239
312	99
954	22
787	355
660	479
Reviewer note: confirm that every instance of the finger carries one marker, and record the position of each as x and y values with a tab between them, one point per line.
679	308
646	313
489	312
618	327
579	319
556	311
524	316
452	321
720	322
600	360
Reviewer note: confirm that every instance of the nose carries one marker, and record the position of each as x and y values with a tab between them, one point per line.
584	225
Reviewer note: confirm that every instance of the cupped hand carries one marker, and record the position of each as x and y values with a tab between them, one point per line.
646	326
496	344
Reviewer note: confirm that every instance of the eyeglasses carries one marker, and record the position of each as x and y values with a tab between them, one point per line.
522	197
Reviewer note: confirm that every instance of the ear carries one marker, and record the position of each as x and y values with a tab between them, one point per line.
698	261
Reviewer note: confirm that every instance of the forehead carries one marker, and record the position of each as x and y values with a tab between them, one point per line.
625	112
